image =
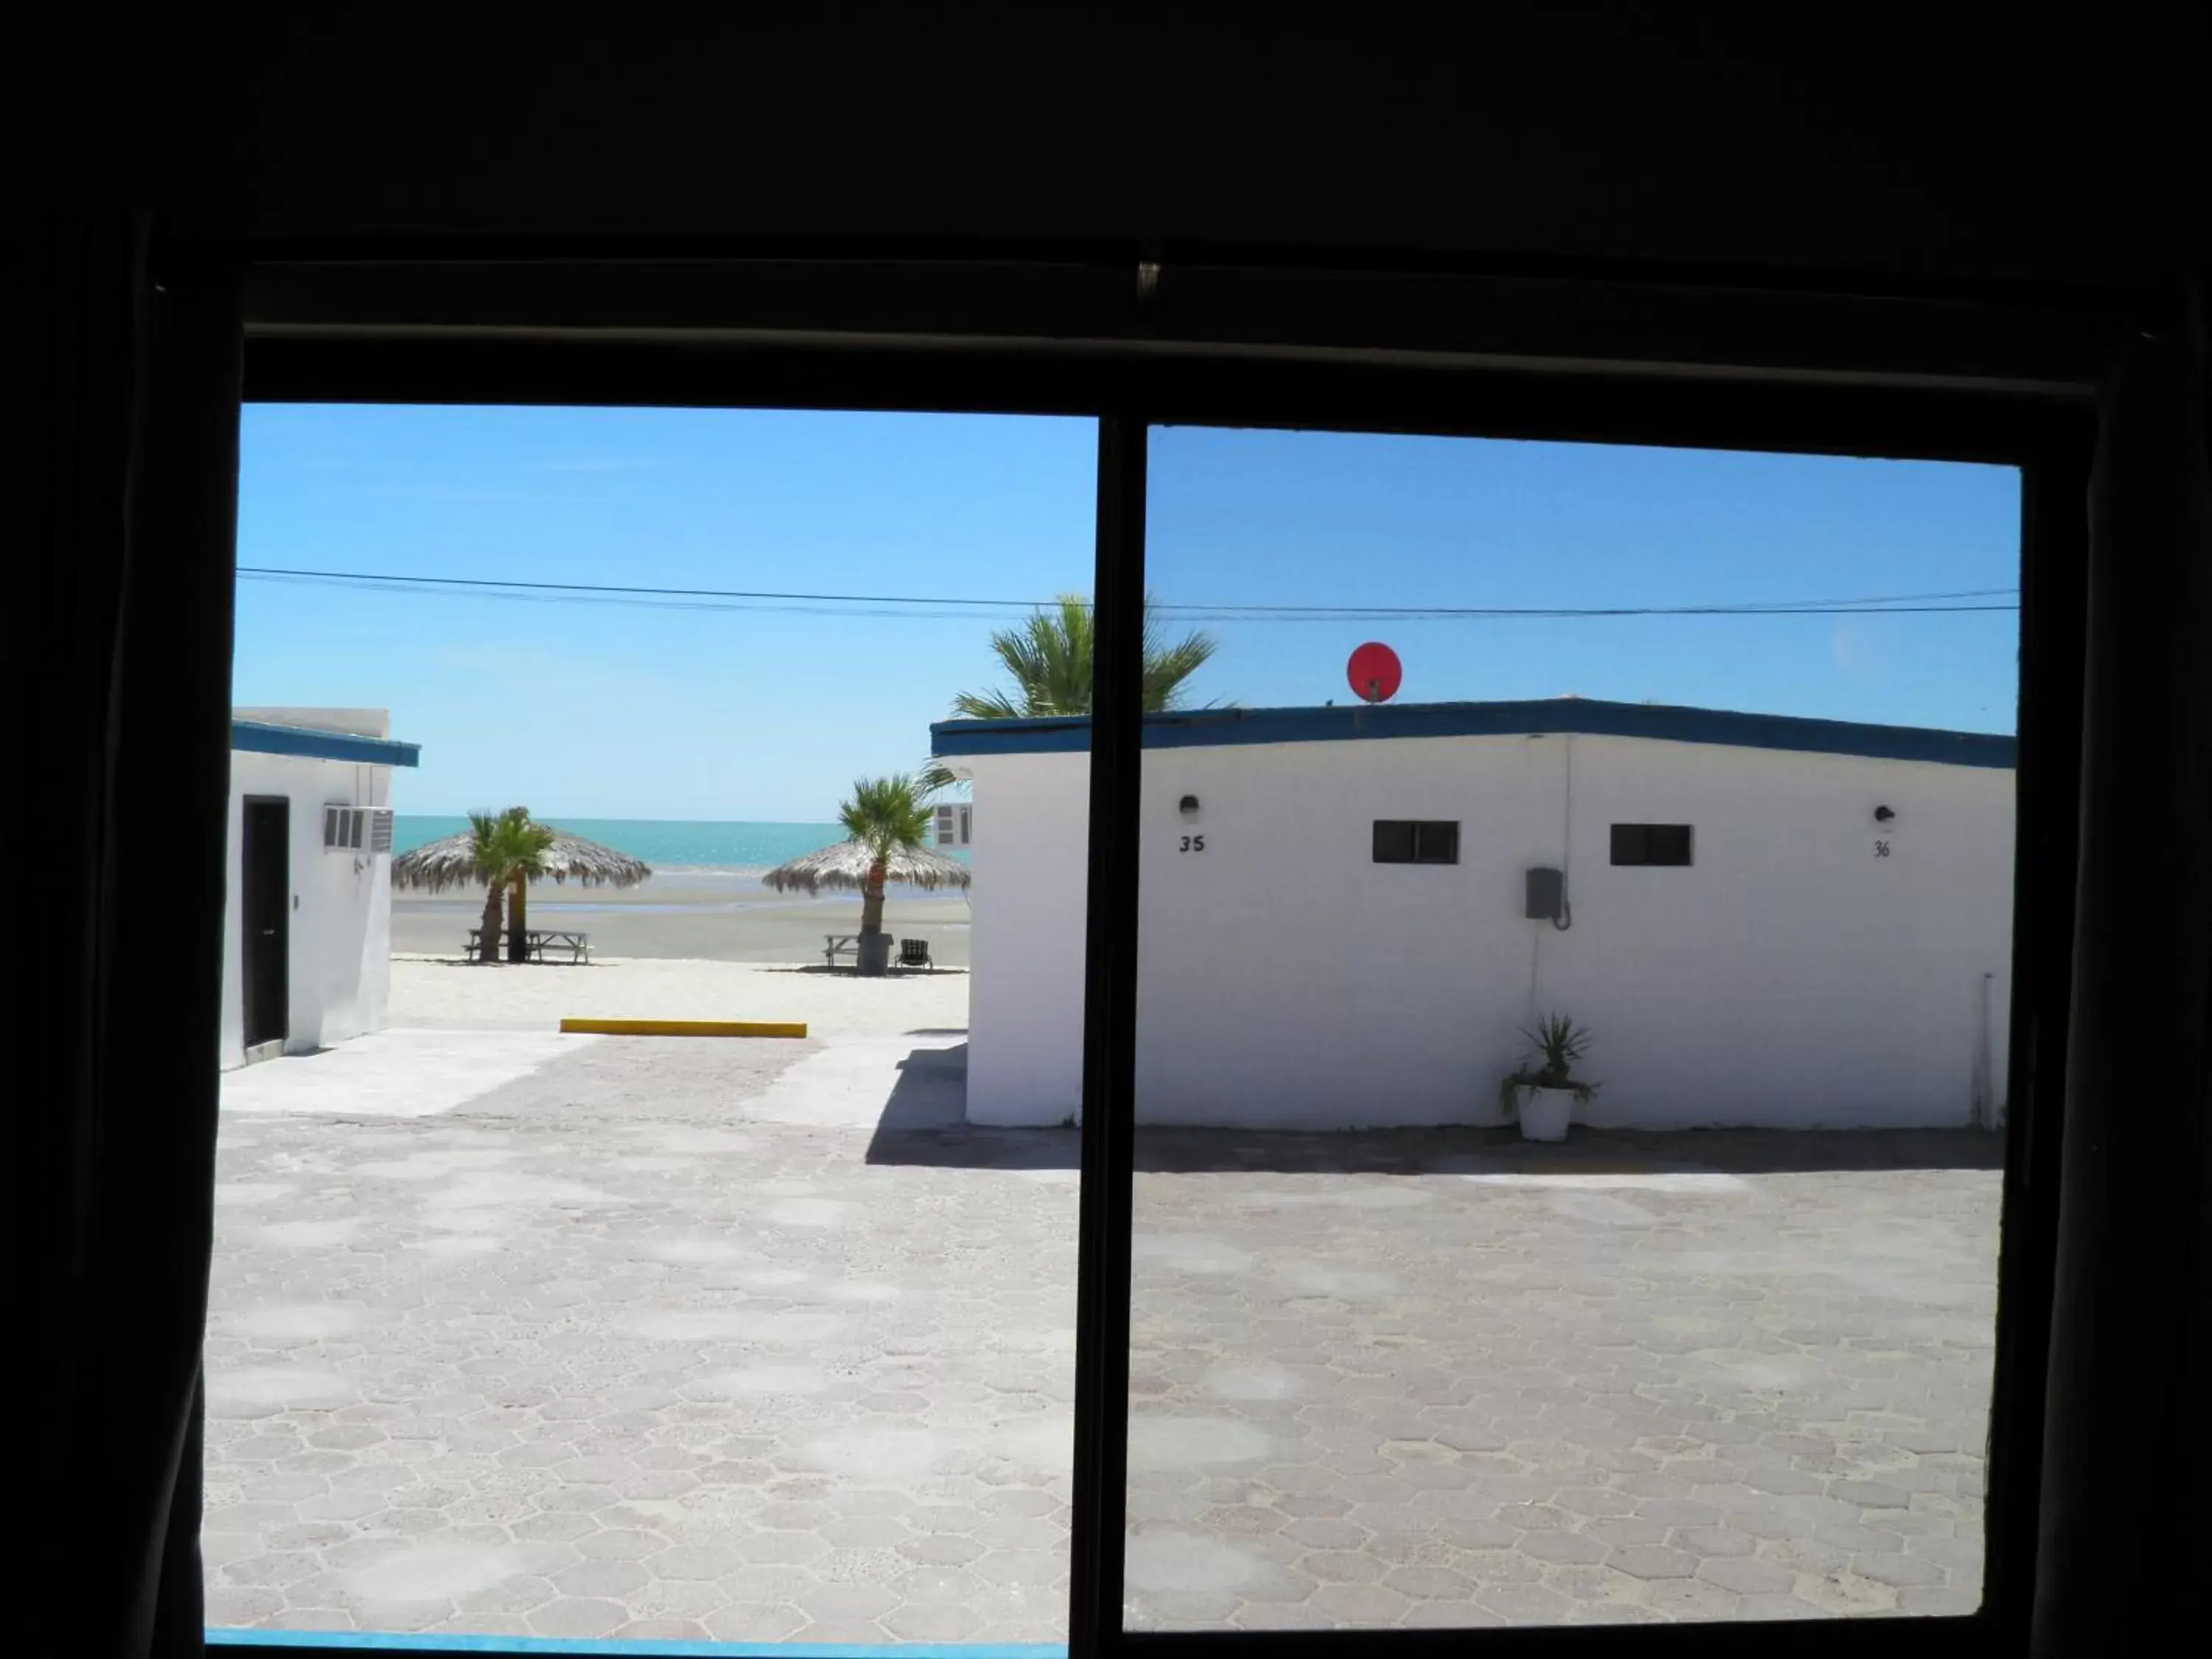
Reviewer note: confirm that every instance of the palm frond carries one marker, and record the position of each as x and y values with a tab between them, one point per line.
1049	659
1166	667
497	847
886	814
987	706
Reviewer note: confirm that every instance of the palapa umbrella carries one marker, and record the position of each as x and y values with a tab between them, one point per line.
847	866
844	868
452	862
438	864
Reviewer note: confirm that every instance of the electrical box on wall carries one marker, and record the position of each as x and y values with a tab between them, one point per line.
1545	896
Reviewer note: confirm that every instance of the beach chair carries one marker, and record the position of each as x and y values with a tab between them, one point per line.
914	953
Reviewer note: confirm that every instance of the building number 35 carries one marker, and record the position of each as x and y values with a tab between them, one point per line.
1193	844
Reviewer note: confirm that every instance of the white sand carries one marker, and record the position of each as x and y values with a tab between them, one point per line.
694	919
535	997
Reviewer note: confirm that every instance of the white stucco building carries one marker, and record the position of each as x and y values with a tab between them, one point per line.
306	934
1767	921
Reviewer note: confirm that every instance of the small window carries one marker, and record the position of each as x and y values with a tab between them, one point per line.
1652	843
1416	840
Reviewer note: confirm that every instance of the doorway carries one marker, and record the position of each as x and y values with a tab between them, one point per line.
264	854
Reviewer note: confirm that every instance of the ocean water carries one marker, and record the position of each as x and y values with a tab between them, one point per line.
664	843
668	844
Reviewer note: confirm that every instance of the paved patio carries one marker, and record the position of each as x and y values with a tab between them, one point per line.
751	1341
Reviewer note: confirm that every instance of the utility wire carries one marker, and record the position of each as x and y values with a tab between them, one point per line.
363	576
1965	600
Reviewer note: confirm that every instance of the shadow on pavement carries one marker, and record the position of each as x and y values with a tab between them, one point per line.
924	1124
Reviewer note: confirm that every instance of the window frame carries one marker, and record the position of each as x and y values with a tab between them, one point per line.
1414	828
1643	838
1677	363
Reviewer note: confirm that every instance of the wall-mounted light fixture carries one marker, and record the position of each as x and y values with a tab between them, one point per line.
1883	814
1188	806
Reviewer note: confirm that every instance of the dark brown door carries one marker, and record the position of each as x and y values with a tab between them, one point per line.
265	871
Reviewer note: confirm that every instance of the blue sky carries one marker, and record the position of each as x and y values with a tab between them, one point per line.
618	711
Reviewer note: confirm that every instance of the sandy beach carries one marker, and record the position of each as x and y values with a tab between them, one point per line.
467	996
698	915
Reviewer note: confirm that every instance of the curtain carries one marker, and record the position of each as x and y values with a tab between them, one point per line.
2127	1457
121	457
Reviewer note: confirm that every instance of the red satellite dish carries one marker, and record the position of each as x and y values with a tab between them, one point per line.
1375	672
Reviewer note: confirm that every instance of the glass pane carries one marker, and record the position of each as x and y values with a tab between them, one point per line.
754	1334
1436	843
1723	1351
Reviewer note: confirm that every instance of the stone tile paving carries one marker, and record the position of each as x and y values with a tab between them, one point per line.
674	1340
1637	1377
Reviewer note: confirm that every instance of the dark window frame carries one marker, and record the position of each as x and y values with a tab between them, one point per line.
1420	835
1636	840
1944	377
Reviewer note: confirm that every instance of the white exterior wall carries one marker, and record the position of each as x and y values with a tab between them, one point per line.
1788	977
1025	941
340	936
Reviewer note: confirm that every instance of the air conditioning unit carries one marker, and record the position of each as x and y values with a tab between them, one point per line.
357	829
955	822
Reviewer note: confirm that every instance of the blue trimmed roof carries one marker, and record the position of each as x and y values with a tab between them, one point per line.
259	738
1206	728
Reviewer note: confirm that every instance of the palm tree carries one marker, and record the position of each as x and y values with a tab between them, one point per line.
883	815
1049	658
507	851
526	864
494	851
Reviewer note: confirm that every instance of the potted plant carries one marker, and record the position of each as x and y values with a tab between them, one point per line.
1543	1091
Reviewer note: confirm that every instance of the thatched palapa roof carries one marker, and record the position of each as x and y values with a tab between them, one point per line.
845	866
438	864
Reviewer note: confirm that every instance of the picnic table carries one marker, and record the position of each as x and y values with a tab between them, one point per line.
913	952
536	940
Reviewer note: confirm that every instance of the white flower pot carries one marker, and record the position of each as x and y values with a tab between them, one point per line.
1545	1112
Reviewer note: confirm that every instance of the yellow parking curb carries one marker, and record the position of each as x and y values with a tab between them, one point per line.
729	1027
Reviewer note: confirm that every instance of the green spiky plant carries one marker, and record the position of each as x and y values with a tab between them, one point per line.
1558	1043
510	853
883	815
1048	658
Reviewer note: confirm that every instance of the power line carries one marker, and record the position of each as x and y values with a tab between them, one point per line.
364	576
944	605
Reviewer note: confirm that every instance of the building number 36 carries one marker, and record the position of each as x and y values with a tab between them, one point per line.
1881	849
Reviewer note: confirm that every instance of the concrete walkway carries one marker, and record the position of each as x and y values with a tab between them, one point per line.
753	1341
